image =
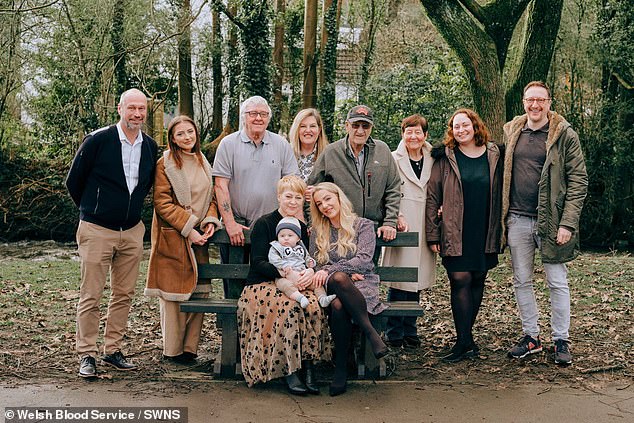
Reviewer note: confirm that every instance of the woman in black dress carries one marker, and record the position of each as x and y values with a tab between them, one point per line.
463	218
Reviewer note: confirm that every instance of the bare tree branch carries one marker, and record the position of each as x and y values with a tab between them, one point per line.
30	9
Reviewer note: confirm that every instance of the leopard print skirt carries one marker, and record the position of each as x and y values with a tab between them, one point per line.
276	334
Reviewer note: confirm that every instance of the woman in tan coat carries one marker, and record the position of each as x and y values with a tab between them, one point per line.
414	163
185	216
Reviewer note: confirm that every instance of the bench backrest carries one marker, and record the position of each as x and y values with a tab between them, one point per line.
238	271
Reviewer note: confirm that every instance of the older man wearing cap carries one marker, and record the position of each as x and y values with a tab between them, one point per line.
365	171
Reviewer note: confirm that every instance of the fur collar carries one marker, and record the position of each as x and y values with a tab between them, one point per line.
179	182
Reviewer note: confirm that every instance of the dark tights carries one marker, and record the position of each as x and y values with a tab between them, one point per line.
349	305
467	289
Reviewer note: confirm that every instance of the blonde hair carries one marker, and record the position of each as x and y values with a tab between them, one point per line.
291	183
321	225
293	134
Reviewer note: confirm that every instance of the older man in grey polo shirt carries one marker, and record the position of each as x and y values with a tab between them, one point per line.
247	167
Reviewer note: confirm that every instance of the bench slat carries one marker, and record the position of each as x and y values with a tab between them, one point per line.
400	308
403	239
240	271
209	306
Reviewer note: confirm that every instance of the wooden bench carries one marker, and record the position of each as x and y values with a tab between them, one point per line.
227	363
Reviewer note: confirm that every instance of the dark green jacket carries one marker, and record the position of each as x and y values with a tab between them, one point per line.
562	186
375	196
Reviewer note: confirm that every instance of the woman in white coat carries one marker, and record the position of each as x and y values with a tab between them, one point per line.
414	162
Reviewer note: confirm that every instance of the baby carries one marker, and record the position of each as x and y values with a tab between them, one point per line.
290	256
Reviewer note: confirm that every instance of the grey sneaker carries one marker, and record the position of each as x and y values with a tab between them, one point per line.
562	352
88	367
527	345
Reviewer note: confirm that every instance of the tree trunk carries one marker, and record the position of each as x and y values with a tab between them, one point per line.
368	54
480	36
216	69
256	58
310	59
119	48
542	25
233	111
328	72
185	85
278	60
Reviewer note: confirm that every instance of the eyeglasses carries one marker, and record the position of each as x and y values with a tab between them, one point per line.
364	125
539	101
255	114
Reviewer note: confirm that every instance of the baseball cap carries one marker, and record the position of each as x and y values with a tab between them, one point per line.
360	113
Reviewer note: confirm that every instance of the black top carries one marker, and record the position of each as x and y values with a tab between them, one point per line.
417	166
474	176
261	236
96	180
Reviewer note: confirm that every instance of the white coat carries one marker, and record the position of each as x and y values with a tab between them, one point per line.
412	207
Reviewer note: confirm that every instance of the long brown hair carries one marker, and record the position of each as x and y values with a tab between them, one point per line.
480	131
175	150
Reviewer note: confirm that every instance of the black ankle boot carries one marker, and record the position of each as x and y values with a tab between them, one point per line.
295	385
311	382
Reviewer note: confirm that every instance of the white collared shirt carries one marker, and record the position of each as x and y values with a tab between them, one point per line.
131	155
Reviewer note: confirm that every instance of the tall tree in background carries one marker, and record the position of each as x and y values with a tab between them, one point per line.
185	85
10	68
309	95
119	47
216	69
480	35
234	70
256	48
374	17
278	61
328	68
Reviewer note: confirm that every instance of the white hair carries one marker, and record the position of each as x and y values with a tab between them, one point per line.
256	100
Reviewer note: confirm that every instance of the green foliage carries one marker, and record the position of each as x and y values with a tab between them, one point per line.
435	90
256	48
609	212
293	59
329	57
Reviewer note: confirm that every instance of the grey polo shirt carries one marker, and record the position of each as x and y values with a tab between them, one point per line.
253	172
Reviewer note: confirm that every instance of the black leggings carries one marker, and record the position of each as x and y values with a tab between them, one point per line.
467	289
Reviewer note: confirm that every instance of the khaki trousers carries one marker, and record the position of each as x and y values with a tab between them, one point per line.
102	250
181	331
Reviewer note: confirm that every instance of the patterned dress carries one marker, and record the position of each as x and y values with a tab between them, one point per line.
276	334
358	262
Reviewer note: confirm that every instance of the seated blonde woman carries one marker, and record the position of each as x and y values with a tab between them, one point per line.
343	244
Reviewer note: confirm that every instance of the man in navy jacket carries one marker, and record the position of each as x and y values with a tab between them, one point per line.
109	178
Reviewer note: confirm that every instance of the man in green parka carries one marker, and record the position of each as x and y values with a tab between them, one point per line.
545	184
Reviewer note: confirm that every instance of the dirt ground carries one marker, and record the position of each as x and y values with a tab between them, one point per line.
364	402
38	294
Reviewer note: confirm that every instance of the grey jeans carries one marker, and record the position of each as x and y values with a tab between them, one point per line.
523	240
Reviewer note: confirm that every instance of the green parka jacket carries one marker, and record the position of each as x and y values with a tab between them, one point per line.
562	187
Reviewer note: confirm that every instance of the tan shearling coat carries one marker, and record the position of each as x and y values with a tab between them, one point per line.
412	207
172	271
